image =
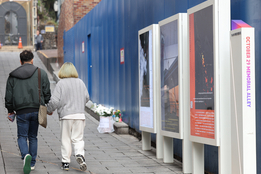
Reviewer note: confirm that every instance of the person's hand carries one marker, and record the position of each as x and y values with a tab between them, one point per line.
10	113
9	117
50	113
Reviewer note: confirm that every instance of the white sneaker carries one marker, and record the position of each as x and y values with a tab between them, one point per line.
27	164
80	160
32	168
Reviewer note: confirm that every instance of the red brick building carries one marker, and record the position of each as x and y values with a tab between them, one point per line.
71	12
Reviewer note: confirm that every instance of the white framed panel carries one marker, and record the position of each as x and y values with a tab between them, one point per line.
204	73
243	105
148	51
172	33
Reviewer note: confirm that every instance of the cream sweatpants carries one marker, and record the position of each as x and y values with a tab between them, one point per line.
71	134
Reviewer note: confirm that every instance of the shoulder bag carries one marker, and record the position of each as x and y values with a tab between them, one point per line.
42	114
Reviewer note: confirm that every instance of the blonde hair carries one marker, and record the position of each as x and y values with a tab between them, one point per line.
68	70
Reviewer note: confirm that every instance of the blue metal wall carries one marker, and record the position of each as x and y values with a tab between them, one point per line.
69	39
114	24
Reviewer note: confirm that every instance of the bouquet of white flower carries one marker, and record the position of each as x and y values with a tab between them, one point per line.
103	111
106	121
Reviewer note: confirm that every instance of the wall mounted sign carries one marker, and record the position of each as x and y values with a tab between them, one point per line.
49	29
82	47
122	56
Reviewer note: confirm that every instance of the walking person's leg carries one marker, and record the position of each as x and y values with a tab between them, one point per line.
37	46
78	142
32	135
66	148
22	133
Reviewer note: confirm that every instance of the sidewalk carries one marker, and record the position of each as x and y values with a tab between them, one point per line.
104	153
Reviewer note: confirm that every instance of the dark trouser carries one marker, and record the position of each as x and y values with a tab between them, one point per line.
27	128
38	46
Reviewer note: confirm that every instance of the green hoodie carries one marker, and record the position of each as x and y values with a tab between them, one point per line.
22	88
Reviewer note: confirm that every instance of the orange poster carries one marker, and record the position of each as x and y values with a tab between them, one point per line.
202	115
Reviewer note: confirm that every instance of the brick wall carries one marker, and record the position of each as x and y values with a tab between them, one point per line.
71	12
82	7
66	22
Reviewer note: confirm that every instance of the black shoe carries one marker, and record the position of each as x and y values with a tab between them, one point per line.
65	166
80	160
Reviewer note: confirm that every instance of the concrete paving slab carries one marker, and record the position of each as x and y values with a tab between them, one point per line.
105	153
158	169
114	169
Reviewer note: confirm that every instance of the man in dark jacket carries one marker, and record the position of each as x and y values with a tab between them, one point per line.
22	98
38	40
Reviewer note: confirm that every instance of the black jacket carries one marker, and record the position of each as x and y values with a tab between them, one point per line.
22	89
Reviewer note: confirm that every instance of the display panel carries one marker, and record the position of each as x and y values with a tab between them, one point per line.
203	67
173	52
146	88
169	77
202	73
147	50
